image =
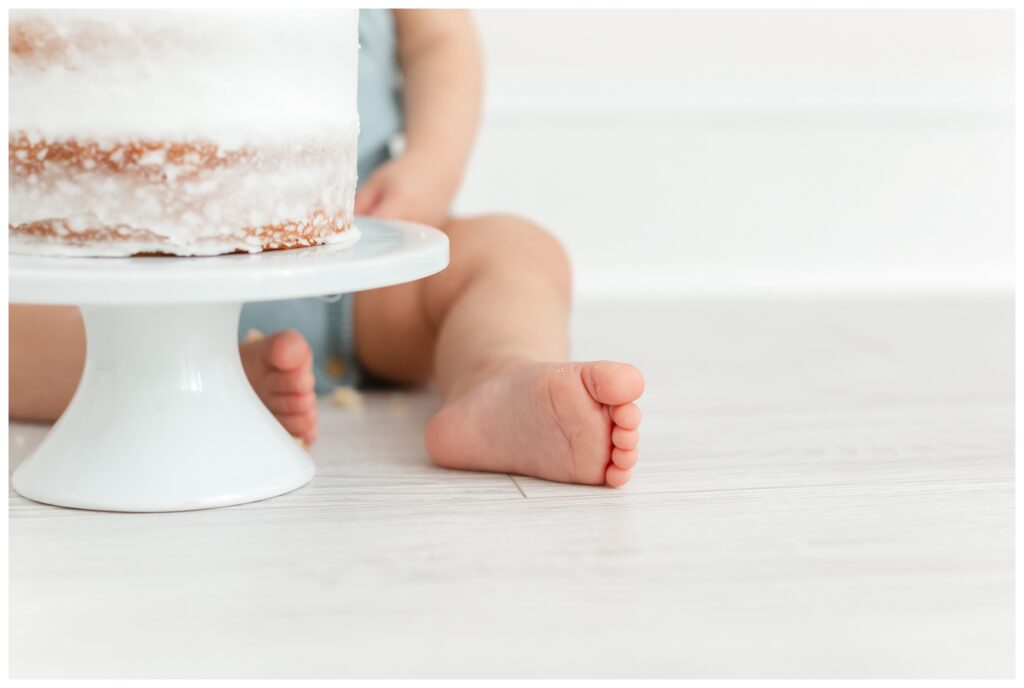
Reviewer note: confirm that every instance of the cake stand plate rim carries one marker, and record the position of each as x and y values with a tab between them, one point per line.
388	252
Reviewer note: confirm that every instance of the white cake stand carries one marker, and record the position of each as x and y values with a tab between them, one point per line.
164	418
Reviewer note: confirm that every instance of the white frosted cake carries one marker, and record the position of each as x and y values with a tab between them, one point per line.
181	132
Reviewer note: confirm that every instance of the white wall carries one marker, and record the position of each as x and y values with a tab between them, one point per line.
722	150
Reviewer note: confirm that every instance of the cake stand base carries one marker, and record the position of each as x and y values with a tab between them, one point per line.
164	419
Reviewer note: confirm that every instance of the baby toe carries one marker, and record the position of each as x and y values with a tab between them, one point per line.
617	477
302	425
288	350
290	382
624	458
625	439
292	403
626	416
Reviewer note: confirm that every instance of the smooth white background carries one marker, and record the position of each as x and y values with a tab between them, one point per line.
686	151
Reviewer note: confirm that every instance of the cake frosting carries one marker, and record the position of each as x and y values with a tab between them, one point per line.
182	132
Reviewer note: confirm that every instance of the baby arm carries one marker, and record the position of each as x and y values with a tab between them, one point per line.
441	65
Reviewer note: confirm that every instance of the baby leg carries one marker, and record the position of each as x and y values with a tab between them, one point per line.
47	355
493	329
45	360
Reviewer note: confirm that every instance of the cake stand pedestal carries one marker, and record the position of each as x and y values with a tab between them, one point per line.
164	418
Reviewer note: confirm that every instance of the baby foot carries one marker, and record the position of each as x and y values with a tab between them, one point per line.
571	422
280	369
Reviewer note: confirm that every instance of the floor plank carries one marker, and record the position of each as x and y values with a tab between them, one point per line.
825	490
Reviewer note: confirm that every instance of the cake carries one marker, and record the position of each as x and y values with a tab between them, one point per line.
182	132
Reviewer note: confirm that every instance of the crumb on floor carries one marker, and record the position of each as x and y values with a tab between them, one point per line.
253	335
347	398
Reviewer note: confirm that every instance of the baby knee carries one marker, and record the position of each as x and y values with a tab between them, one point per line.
499	242
529	241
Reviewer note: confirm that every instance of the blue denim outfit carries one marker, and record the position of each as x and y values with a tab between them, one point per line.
326	322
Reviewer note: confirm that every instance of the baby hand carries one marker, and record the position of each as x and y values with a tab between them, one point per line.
410	187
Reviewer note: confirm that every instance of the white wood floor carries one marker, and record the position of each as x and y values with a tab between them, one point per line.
825	490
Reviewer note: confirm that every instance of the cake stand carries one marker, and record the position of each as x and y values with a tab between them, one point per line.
164	418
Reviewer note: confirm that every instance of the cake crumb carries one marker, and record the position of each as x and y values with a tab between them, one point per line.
347	398
399	410
302	443
253	335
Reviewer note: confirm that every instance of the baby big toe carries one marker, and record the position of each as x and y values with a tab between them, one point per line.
613	383
288	350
